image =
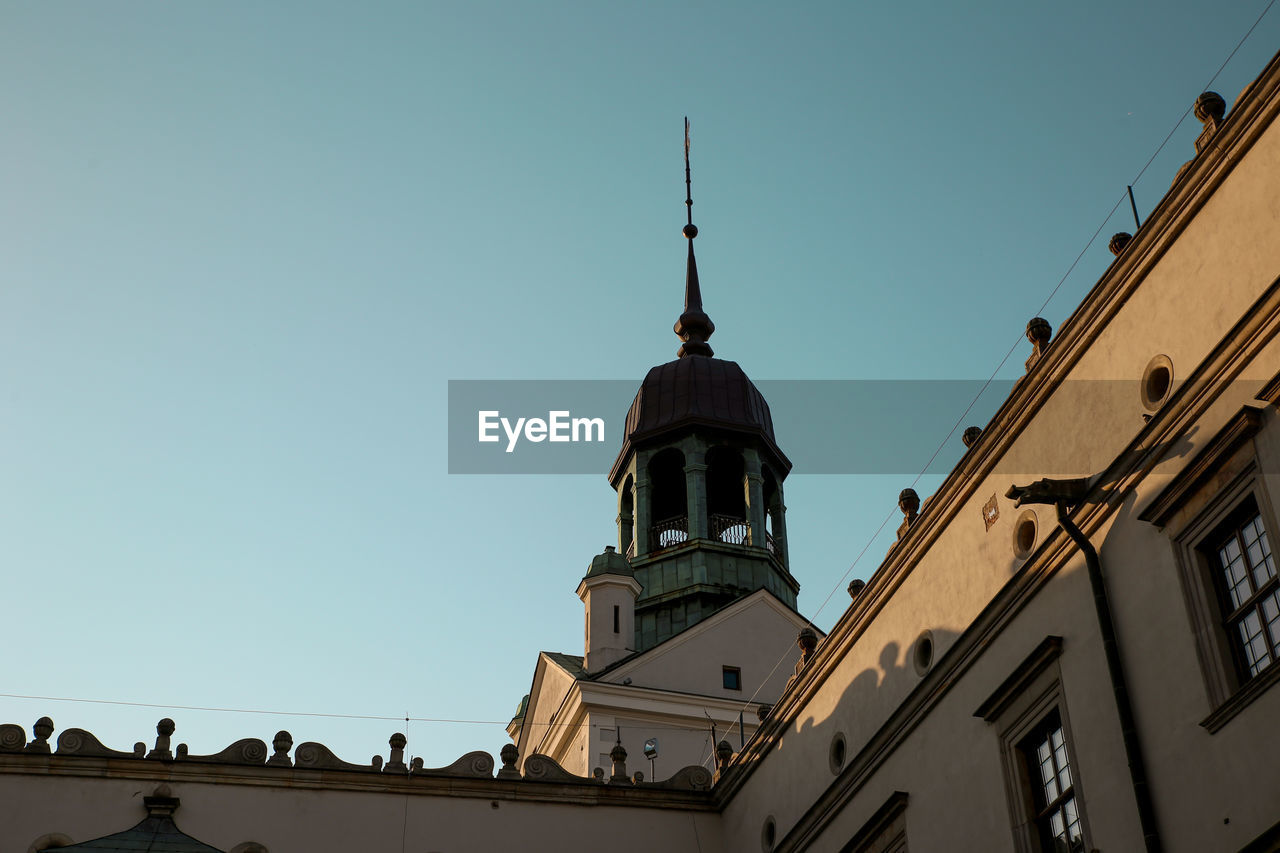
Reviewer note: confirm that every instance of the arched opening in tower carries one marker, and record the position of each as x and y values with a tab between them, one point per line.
727	496
669	500
773	521
627	517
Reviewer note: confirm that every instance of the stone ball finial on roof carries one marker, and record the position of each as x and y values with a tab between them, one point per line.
165	727
724	754
397	741
971	435
43	730
1210	106
909	502
1039	331
509	755
1118	242
856	586
282	743
808	641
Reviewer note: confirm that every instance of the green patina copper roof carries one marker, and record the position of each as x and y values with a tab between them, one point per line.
609	563
571	664
153	835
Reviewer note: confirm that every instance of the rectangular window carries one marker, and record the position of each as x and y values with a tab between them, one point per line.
1055	815
1220	517
615	618
1249	593
732	678
1029	714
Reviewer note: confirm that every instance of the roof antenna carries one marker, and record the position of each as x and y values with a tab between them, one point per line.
1132	204
694	326
690	230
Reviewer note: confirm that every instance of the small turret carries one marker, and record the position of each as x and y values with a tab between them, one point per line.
608	593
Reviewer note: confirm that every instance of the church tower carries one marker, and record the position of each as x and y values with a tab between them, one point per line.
699	481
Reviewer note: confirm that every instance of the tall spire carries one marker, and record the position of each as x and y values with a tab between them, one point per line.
694	326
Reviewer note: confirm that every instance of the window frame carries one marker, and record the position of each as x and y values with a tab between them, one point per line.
885	831
1232	528
727	671
1228	685
1020	705
1043	809
1193	508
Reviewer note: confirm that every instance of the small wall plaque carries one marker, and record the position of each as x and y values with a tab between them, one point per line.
990	512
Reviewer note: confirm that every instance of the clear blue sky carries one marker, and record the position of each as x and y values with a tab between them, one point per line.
244	246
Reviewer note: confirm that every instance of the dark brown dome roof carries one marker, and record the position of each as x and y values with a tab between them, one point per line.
698	391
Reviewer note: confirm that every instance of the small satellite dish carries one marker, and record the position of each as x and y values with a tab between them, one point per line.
651	748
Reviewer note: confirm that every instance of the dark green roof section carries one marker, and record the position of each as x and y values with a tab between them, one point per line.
610	563
523	706
571	664
153	835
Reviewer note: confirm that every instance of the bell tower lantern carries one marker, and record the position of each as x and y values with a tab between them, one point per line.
699	480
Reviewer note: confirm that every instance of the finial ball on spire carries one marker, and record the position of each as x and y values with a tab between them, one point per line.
690	231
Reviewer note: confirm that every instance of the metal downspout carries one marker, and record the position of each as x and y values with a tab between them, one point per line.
1119	687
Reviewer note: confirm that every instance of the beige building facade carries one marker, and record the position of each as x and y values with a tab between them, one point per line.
1074	643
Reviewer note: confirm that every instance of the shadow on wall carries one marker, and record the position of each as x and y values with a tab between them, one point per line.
874	693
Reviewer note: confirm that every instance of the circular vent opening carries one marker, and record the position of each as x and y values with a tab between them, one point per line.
768	834
838	749
922	658
1024	534
1157	382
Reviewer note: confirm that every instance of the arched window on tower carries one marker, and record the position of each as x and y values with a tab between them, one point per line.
727	496
669	500
773	511
627	517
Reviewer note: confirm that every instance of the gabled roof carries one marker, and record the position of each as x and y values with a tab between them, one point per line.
571	664
707	624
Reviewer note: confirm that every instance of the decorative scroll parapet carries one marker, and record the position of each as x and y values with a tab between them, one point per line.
317	756
691	778
245	751
542	768
473	765
12	738
78	743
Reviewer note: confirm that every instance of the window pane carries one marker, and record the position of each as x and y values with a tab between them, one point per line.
1266	560
1256	654
1055	814
1056	825
1271	612
1073	820
1235	575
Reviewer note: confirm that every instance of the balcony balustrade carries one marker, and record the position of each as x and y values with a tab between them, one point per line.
672	531
726	528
